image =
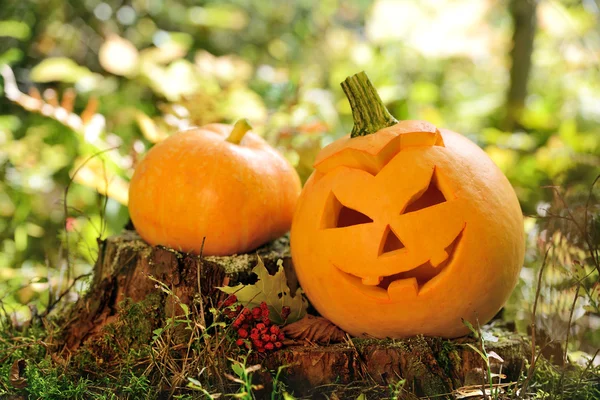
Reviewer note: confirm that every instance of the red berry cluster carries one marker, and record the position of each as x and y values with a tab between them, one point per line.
254	327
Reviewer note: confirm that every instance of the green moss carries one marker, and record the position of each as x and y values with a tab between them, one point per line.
420	362
84	360
137	387
115	366
46	382
126	339
106	369
138	320
448	357
572	382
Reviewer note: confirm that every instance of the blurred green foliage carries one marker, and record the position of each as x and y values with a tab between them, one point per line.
157	66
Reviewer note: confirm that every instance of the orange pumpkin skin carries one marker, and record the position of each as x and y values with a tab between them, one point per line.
195	184
457	245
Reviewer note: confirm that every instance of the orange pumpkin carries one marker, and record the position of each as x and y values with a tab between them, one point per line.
225	184
404	228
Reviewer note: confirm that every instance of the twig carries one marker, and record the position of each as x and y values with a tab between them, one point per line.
199	267
533	324
562	373
89	125
66	204
582	230
593	250
587	367
63	294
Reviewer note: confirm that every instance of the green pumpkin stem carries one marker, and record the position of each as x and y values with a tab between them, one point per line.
368	111
239	130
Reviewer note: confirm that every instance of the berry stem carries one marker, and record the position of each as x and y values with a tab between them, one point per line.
239	130
368	111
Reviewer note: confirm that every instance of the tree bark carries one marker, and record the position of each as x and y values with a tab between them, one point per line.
523	13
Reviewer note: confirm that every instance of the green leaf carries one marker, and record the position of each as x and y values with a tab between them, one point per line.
483	356
59	69
185	309
9	123
219	16
15	29
194	383
238	369
11	56
470	326
273	290
156	333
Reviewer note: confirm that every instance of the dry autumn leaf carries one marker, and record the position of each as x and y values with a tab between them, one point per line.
273	290
314	329
15	376
467	392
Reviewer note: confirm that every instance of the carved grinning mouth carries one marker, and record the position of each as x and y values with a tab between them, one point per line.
421	274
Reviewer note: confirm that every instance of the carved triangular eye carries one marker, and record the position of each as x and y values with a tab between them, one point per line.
432	196
337	215
349	217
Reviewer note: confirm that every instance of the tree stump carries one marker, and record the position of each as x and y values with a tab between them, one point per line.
128	268
428	366
126	263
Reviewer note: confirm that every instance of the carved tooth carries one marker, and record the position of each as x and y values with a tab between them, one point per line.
371	280
438	258
403	288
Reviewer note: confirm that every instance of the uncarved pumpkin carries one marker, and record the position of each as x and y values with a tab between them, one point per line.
215	182
404	228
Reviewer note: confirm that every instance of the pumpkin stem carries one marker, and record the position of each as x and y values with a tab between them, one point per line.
368	111
239	130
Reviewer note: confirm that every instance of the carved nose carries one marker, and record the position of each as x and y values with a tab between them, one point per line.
390	242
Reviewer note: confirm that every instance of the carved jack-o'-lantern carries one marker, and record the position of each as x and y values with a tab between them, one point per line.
405	229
